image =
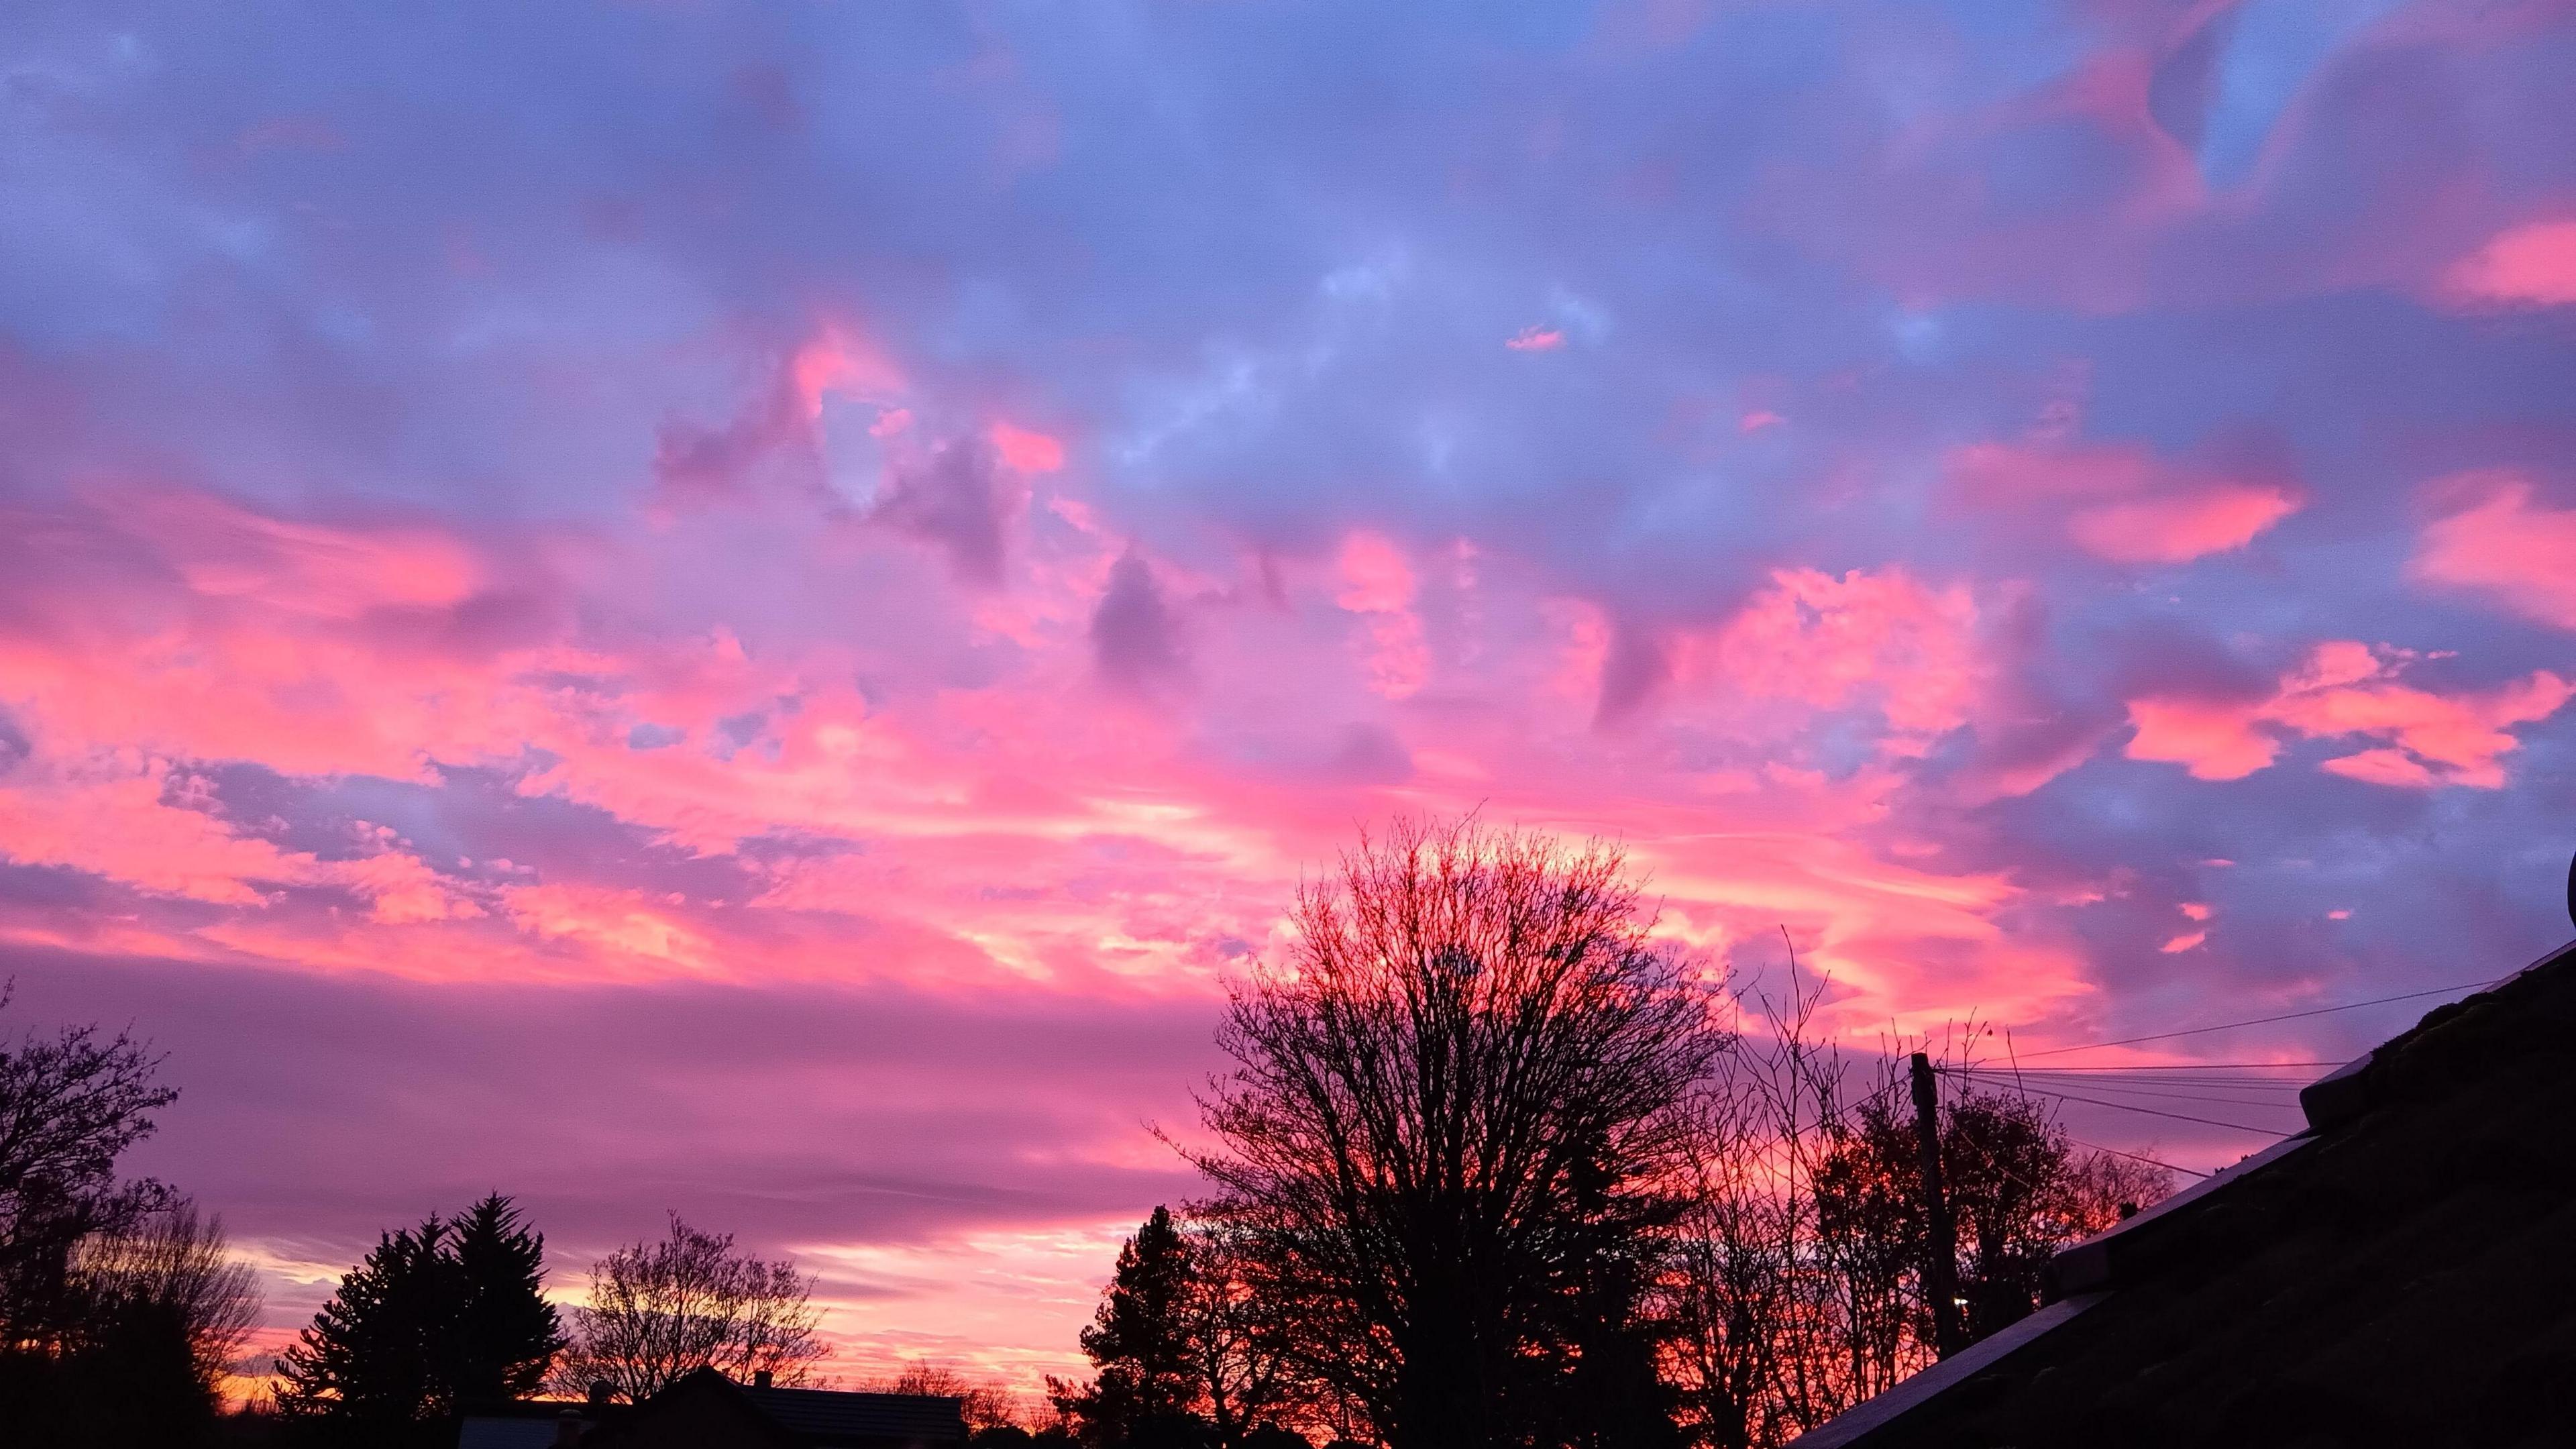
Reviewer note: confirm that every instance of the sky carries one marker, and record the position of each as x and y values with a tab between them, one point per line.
750	609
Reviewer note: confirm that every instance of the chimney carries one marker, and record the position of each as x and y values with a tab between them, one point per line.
760	1378
567	1429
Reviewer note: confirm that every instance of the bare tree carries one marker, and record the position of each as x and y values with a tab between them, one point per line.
1762	1319
70	1103
982	1403
1454	1110
1240	1351
659	1311
170	1274
1795	1291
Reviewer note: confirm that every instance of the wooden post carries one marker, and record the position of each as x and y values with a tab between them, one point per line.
1941	1238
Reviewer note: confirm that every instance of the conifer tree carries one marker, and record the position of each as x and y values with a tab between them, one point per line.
438	1318
506	1335
369	1363
1144	1384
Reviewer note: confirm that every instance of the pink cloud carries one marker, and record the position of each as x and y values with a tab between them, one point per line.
2128	506
1535	339
2007	474
2180	528
1378	583
228	552
2346	689
2517	553
1030	452
2532	265
2384	767
775	435
2213	741
837	358
1758	419
1825	642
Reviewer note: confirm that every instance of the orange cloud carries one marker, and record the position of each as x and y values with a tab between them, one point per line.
2518	554
2532	265
624	921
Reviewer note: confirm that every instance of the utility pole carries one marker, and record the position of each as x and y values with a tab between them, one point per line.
1941	1238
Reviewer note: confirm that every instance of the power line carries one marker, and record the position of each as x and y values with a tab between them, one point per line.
1995	1078
2139	1157
2156	1112
2188	1067
2266	1020
2218	1084
2169	1079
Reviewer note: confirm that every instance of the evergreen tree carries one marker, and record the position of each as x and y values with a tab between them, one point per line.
506	1333
1144	1385
438	1318
368	1366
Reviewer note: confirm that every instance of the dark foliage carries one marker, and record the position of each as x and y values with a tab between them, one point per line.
2405	1279
120	1309
438	1317
506	1334
1451	1129
1143	1378
70	1103
660	1311
2018	1192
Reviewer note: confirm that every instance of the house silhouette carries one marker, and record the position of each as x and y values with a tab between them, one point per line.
2402	1272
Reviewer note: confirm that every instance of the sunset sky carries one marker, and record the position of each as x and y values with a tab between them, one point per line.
748	608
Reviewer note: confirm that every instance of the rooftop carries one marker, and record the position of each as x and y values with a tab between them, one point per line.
2402	1272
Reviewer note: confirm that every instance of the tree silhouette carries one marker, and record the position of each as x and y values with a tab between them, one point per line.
1239	1350
167	1279
367	1368
119	1306
158	1310
69	1105
1144	1373
659	1311
506	1335
439	1317
1454	1113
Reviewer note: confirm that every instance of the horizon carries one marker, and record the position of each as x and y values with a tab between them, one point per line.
749	611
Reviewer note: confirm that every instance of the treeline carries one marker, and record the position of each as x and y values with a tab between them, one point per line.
450	1315
1495	1169
123	1313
